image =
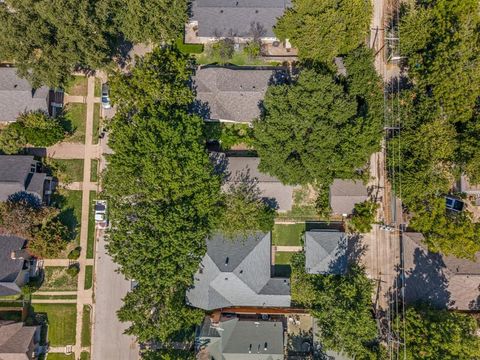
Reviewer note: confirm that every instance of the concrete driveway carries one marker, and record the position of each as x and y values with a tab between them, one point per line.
109	342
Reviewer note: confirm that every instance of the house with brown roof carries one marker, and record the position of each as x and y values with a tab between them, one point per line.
344	194
443	281
17	341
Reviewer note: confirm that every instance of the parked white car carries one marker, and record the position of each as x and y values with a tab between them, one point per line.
101	220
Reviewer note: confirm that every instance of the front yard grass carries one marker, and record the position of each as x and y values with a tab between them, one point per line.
88	277
91	226
96	123
70	204
288	234
94	170
67	170
76	116
56	278
77	86
86	326
60	356
61	320
85	355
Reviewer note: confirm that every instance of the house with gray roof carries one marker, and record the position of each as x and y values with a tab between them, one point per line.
17	341
14	265
234	338
273	191
17	96
325	252
237	272
233	95
344	194
20	173
241	19
444	281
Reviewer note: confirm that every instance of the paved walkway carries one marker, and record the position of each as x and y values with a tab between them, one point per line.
64	262
56	293
288	248
54	301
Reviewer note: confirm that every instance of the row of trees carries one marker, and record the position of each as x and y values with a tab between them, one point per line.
440	133
48	40
165	195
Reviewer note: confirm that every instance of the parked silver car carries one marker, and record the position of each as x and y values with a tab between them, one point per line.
105	97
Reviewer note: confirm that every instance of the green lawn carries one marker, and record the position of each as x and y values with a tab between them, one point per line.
86	326
70	204
76	117
67	170
91	226
61	320
77	86
94	170
88	277
60	356
98	87
282	264
57	279
85	355
188	48
53	297
288	235
96	123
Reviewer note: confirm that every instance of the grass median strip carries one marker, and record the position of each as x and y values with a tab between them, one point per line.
86	326
96	123
60	356
85	355
88	277
91	226
94	171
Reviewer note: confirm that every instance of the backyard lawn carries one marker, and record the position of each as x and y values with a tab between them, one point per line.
61	319
86	326
88	277
288	234
60	356
67	170
91	226
70	204
282	264
77	86
76	116
57	279
188	48
94	170
96	123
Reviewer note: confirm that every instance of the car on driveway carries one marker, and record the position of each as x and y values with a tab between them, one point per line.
105	97
101	220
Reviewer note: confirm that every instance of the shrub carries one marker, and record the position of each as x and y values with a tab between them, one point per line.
73	270
74	254
363	216
223	50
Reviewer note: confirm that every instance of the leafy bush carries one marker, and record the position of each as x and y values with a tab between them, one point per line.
363	216
73	270
252	49
74	254
229	135
222	50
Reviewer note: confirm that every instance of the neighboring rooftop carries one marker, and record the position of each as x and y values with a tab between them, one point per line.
246	169
325	252
17	96
17	342
233	94
12	259
235	339
221	18
344	194
445	281
237	272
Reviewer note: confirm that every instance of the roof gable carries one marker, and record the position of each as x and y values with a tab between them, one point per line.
325	252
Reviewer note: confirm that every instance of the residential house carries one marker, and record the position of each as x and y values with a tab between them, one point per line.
344	194
18	96
17	341
242	20
14	265
325	252
233	338
233	95
274	192
472	190
444	281
20	173
237	272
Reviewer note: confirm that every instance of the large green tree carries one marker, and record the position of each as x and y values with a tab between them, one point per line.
324	29
47	40
312	130
432	334
342	307
441	43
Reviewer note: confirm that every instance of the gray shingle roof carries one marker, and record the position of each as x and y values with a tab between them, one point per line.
237	273
10	268
344	194
325	252
16	176
16	340
243	339
17	95
232	94
218	18
270	186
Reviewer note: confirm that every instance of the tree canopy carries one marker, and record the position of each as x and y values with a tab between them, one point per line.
314	130
432	334
342	306
322	30
363	216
